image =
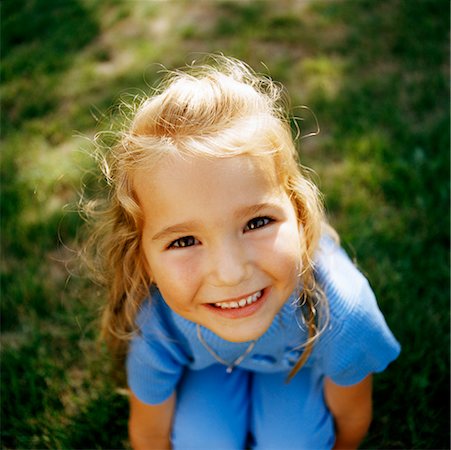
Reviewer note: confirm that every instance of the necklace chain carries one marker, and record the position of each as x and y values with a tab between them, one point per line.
230	366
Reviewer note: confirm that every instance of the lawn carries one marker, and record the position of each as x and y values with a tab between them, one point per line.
376	76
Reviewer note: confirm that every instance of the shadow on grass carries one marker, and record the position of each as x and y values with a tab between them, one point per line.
102	423
380	89
390	132
34	386
39	40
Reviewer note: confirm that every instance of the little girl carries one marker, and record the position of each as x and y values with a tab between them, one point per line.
247	325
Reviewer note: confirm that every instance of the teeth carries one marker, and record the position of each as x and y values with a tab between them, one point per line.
239	304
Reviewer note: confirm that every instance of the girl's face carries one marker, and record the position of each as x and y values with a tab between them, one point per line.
222	242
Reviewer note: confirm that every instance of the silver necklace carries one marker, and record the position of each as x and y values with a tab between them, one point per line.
235	362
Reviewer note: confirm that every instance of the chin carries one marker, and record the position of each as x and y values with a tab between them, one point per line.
236	335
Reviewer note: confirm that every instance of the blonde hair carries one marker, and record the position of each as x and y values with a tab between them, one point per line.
220	109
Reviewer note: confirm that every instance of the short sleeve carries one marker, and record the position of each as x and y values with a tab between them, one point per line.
357	341
155	359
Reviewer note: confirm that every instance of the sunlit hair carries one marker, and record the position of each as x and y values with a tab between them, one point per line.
218	110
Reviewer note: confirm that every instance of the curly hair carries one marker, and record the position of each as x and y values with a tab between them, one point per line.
217	110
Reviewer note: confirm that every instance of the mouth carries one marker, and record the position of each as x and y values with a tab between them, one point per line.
240	307
241	303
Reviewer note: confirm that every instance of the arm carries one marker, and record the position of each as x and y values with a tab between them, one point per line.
150	425
351	407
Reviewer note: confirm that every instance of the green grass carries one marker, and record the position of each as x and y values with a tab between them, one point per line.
376	75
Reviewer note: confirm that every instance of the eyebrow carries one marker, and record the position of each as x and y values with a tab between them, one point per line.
187	227
247	211
184	227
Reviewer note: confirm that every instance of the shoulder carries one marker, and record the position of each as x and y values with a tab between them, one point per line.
355	340
153	314
156	357
347	290
157	328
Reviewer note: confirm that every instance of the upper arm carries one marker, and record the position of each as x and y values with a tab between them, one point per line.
350	402
150	425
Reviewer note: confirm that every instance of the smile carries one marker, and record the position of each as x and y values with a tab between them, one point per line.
240	303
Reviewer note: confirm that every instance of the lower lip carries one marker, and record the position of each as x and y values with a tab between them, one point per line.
244	311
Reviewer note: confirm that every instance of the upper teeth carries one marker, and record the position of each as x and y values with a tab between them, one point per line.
240	303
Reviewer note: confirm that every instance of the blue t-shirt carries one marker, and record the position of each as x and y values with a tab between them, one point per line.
355	342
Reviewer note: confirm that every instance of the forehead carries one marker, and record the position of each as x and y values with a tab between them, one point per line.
187	186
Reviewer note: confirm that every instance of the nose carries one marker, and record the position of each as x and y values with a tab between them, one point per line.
230	264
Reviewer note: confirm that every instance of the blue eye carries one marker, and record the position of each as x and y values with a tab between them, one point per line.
257	222
185	241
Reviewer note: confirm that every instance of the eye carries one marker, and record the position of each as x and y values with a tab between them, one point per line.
185	241
257	222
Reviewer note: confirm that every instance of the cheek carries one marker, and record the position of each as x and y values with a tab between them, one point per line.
284	258
164	264
294	257
176	286
173	273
